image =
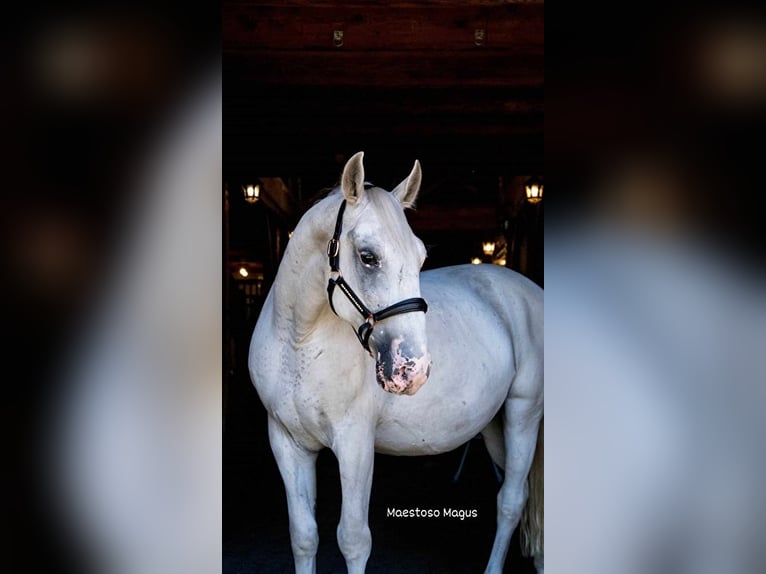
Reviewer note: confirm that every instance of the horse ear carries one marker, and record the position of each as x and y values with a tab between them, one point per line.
352	181
407	191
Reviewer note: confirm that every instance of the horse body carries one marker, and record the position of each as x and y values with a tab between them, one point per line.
483	333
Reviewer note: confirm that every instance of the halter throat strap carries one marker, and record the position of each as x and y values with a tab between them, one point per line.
364	330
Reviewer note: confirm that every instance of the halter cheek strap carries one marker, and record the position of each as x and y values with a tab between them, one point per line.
370	318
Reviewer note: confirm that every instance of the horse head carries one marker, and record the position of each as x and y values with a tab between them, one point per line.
379	263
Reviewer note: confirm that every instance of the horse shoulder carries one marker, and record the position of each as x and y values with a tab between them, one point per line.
306	388
266	358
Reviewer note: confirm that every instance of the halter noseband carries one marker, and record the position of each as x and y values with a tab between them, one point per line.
370	318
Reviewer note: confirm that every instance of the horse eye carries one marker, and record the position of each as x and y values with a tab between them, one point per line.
369	259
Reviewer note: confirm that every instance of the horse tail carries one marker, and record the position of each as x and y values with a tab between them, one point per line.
532	520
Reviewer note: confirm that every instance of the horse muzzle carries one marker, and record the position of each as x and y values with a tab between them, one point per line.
400	371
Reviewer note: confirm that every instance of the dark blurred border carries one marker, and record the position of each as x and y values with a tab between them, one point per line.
86	90
680	87
655	117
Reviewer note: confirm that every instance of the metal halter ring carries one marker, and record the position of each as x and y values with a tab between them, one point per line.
333	243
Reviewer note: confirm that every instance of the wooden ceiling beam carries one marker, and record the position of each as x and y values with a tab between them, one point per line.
247	101
388	69
390	127
380	28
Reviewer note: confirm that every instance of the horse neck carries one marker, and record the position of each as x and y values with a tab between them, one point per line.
300	295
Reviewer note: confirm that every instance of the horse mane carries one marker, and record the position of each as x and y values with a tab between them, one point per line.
321	194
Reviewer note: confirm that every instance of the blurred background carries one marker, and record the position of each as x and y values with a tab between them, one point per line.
109	111
456	85
654	304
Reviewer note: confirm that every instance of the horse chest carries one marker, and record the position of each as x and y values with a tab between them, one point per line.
313	392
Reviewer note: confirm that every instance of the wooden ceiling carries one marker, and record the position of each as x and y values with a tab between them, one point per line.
387	44
457	85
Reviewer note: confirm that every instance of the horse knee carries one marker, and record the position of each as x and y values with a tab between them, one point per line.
354	540
305	539
510	504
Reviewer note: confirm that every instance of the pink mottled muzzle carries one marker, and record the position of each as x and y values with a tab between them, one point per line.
399	370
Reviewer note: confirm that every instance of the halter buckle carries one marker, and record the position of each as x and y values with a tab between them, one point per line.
333	247
364	332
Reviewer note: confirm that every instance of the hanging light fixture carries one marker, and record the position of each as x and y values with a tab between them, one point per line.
252	192
488	247
534	189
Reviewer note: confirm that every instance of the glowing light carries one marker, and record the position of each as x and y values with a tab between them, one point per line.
252	193
475	260
534	189
488	247
243	272
501	262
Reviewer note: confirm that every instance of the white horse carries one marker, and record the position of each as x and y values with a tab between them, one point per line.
482	333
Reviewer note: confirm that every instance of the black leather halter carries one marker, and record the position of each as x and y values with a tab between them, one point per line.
370	318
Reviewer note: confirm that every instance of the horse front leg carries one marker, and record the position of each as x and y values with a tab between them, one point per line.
355	451
298	468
